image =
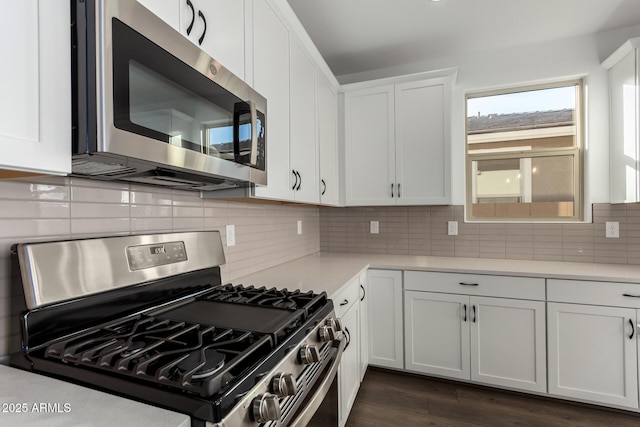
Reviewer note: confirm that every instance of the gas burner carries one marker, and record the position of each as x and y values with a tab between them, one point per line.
213	362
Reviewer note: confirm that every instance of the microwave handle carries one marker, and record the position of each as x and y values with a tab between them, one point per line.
240	109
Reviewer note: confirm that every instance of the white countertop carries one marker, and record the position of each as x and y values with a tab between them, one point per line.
32	400
330	271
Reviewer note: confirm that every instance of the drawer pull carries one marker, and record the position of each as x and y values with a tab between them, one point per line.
345	302
467	284
633	329
631	295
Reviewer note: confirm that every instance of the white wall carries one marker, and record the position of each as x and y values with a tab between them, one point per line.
568	58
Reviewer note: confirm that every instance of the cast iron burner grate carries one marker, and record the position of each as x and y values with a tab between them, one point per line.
197	358
276	298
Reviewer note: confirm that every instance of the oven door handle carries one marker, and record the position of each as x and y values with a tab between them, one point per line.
315	402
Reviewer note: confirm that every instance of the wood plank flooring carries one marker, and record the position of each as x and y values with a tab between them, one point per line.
388	398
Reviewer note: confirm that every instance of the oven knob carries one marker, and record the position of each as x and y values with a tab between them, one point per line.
326	334
283	385
266	408
335	323
309	354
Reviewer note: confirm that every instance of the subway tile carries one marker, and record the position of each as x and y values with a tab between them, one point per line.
27	228
150	198
150	225
99	195
85	227
151	211
42	191
99	210
33	209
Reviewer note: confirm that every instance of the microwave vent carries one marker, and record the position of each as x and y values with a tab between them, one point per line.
91	168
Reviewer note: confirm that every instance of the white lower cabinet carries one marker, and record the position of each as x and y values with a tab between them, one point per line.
593	353
364	325
385	318
437	334
490	340
508	343
485	339
349	371
347	306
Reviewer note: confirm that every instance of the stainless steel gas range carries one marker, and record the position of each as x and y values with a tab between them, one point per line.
147	317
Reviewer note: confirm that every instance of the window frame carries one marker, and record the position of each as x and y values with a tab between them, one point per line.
577	152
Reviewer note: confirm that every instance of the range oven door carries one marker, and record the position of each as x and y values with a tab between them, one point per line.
320	407
153	96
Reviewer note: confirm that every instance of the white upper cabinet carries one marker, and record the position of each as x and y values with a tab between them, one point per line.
304	144
397	143
328	141
422	147
624	145
35	105
284	67
167	10
369	146
217	26
271	79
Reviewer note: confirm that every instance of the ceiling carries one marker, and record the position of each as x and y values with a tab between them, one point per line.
361	35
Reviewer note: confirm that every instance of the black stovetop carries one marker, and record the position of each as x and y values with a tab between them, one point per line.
205	350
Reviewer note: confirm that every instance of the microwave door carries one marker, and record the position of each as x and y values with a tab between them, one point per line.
245	139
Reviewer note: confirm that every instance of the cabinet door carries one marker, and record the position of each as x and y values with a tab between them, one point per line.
370	147
271	80
364	327
422	143
508	343
35	88
328	141
304	145
437	333
385	318
167	10
349	374
217	26
624	135
593	353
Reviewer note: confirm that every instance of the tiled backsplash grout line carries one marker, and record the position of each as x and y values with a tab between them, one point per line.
399	227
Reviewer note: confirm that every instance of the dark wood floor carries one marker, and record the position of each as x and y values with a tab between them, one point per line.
388	398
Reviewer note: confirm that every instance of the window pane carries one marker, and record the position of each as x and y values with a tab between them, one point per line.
527	187
525	120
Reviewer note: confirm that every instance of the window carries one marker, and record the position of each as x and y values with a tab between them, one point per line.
524	160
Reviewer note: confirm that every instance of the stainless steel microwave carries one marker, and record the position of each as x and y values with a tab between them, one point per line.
151	107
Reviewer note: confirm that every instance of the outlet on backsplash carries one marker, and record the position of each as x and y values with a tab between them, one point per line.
612	229
374	227
452	228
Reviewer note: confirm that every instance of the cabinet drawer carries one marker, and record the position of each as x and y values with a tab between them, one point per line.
476	284
613	294
346	297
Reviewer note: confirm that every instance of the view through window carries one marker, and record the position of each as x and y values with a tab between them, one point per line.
523	154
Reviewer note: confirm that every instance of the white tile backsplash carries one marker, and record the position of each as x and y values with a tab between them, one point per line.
53	208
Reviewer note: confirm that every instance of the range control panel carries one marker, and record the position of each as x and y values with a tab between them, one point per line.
154	255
